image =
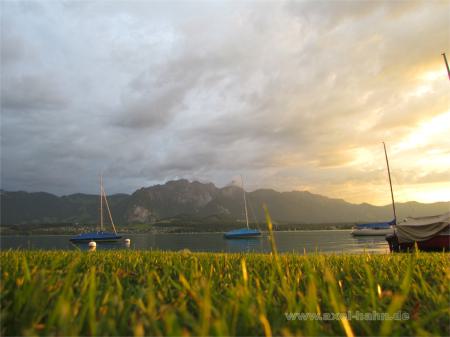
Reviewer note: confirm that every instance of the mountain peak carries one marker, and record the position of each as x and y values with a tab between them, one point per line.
198	200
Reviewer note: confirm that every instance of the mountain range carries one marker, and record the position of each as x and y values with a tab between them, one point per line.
195	200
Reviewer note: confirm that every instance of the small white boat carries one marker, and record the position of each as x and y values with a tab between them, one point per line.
372	232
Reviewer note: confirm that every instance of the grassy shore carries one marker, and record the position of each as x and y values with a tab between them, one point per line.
167	293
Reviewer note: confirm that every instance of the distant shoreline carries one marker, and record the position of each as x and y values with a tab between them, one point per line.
160	228
167	232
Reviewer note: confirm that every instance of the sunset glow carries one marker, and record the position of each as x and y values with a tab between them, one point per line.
299	99
434	130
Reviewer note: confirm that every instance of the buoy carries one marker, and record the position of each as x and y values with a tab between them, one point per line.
92	245
127	242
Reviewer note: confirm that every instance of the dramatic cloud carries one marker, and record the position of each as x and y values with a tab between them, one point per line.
292	95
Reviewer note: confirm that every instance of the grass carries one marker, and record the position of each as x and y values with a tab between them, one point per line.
168	293
181	293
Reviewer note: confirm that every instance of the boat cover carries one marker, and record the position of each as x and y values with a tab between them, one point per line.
377	225
420	229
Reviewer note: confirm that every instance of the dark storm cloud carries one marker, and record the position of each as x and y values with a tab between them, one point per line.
30	93
290	94
150	113
12	49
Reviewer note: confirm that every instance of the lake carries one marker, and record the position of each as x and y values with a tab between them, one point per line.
337	241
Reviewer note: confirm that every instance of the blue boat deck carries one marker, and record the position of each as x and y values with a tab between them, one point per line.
242	233
96	236
377	225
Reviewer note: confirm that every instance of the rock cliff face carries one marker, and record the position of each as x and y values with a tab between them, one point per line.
140	214
195	200
182	197
168	200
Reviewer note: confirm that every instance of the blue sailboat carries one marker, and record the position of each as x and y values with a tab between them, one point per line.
243	233
375	228
99	236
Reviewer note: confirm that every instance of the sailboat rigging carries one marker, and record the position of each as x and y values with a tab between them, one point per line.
446	65
390	182
243	233
379	228
429	233
100	236
245	204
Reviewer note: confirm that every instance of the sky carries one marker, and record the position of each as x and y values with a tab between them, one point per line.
292	95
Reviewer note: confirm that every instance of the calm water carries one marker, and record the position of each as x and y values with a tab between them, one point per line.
323	241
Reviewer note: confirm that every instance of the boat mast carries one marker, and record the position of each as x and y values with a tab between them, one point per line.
101	203
245	203
109	211
446	64
390	182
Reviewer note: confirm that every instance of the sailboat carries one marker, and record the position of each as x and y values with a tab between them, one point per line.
374	229
429	233
379	228
99	236
243	233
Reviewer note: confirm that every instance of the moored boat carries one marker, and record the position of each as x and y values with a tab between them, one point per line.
431	233
96	236
374	229
99	236
243	233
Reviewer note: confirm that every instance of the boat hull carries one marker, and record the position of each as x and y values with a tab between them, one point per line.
96	240
242	234
437	243
97	237
372	232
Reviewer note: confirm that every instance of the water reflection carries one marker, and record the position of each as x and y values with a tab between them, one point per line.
300	241
245	245
100	245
